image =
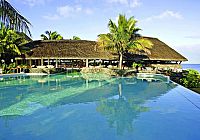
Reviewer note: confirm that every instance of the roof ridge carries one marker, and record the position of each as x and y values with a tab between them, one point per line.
64	40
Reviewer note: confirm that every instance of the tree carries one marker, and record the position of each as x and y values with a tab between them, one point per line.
76	38
12	19
51	36
124	37
10	42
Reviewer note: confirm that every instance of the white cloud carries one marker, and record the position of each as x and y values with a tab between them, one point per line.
34	2
88	11
68	11
51	17
135	3
119	1
129	3
164	15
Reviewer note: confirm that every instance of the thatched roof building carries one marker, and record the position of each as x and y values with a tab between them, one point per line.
68	49
85	50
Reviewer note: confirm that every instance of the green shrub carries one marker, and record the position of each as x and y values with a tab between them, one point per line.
191	79
134	65
12	65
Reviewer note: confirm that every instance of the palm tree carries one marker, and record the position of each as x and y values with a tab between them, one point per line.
51	36
10	43
124	37
76	38
12	19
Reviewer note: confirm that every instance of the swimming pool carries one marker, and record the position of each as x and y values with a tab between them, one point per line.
60	107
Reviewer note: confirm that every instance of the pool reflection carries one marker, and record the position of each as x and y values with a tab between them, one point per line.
121	111
78	105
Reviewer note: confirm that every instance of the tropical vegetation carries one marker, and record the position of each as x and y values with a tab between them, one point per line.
14	29
51	36
76	38
191	79
123	38
10	45
12	19
10	40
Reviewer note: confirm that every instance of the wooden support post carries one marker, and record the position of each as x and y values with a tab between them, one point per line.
56	63
39	62
87	63
48	61
16	61
42	62
30	62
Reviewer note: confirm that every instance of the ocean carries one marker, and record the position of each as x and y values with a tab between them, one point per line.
191	66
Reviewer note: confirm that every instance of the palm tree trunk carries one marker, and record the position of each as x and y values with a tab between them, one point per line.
120	60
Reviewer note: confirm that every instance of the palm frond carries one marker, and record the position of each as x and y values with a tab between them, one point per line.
112	26
51	36
44	37
12	19
76	38
141	45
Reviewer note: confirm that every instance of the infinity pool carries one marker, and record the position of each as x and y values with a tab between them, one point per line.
60	107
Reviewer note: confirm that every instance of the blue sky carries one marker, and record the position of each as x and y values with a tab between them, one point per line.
175	22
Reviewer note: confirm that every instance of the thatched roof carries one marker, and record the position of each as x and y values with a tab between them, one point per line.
82	49
72	49
161	51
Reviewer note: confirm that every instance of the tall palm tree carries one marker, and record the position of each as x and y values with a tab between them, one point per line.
123	37
51	36
12	19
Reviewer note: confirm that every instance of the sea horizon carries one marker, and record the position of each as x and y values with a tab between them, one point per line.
191	66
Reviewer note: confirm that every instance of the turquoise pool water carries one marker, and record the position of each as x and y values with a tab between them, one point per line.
71	108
